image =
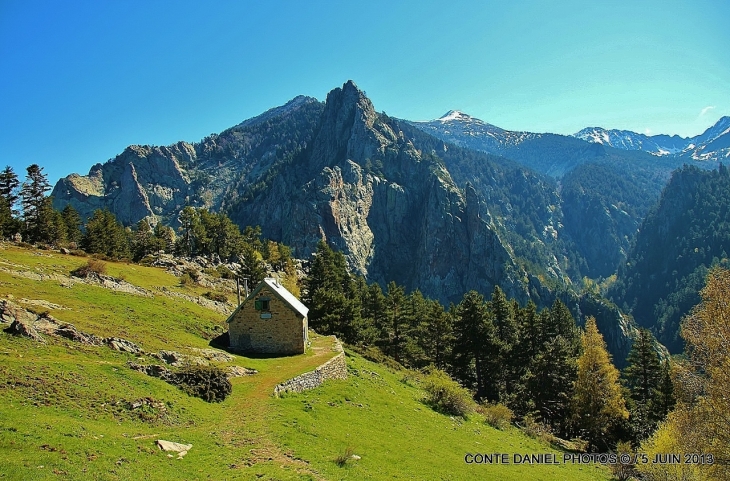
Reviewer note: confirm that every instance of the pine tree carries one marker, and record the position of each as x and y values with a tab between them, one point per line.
9	225
9	184
189	220
643	375
35	209
252	266
165	237
396	322
323	275
523	355
552	370
225	238
503	366
252	236
49	225
528	344
72	223
597	404
642	371
474	334
563	324
373	312
439	336
144	241
663	398
504	320
204	231
332	295
104	235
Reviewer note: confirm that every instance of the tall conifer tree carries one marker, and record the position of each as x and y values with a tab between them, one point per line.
474	334
35	209
643	375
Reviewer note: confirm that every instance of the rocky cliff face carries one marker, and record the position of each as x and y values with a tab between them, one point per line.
395	213
141	182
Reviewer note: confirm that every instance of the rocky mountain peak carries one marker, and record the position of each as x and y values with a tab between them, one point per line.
349	129
342	102
719	128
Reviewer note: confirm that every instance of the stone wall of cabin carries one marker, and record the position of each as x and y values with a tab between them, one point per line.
283	333
335	368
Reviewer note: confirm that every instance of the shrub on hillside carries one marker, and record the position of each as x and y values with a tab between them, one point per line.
344	457
374	354
148	260
496	415
92	267
446	395
209	383
216	296
225	272
190	277
537	430
212	272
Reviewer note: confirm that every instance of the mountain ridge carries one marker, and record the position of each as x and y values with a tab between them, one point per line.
399	203
698	147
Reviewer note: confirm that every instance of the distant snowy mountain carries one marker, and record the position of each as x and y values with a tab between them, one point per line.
628	140
549	154
713	144
466	131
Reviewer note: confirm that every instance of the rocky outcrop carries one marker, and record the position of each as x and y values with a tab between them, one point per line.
11	313
123	345
109	282
141	182
153	370
25	329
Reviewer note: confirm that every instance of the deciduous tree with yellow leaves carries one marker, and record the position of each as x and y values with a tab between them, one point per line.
598	404
700	423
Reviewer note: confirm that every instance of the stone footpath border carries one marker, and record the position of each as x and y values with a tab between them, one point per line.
335	368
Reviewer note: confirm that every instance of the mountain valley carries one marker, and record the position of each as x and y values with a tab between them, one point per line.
443	206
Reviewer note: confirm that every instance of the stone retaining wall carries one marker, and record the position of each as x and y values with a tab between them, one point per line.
335	368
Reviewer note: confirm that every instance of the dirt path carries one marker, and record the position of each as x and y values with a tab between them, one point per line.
250	426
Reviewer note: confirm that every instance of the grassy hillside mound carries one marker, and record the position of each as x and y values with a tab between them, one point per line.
73	411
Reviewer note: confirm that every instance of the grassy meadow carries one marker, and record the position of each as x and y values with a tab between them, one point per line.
67	410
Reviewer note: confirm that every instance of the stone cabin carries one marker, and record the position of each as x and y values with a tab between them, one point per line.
270	321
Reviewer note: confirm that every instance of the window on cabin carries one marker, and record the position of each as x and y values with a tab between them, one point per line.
262	304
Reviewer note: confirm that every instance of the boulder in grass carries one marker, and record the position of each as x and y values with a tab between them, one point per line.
123	345
180	449
11	312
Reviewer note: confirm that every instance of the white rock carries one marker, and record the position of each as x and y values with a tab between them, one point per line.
176	447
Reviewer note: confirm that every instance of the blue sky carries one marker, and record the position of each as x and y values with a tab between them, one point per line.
79	81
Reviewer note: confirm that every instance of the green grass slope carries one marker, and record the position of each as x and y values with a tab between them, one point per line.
70	411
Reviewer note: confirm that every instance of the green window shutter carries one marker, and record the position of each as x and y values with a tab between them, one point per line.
259	305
